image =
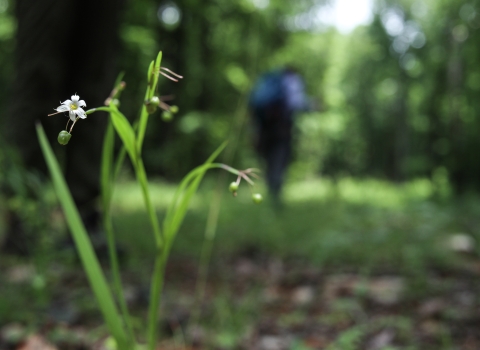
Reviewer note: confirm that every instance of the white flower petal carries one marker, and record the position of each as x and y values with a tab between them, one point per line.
67	102
82	103
81	113
75	98
73	116
62	108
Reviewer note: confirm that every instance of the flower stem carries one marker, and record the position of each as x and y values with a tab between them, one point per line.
156	287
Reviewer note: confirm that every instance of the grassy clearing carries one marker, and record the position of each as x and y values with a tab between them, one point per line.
351	223
350	236
356	231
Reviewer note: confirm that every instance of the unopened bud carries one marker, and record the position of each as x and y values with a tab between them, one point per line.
174	109
63	137
167	116
233	187
152	104
257	198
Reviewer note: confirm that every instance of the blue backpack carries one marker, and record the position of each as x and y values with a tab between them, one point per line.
268	91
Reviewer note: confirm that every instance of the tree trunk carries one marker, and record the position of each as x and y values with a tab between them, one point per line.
63	47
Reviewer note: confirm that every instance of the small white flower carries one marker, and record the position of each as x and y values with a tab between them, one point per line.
73	107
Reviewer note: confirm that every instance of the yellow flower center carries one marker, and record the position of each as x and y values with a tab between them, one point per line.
73	106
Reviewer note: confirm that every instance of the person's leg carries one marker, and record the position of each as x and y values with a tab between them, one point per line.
277	160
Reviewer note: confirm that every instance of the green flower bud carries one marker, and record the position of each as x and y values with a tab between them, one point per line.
64	137
233	187
257	198
167	116
174	109
152	104
115	102
155	100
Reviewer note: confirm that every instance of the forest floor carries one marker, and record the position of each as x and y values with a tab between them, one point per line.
346	265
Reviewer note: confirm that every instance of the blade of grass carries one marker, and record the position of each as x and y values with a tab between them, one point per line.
84	247
214	211
172	221
107	178
127	135
172	210
142	121
123	129
153	73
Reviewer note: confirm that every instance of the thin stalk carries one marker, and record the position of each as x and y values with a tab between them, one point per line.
152	78
158	278
117	281
172	221
84	247
142	180
107	192
213	214
205	256
214	211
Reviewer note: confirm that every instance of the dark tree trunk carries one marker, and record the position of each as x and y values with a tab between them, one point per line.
63	47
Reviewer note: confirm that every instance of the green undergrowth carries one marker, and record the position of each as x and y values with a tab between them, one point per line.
348	223
363	226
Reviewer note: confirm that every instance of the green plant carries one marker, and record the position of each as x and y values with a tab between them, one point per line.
132	138
351	338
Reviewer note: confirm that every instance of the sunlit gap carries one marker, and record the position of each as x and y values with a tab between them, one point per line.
3	6
261	4
344	15
169	15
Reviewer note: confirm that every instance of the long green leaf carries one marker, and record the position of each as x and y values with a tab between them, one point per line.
106	177
84	247
124	130
173	219
127	135
178	206
153	72
143	182
158	62
107	181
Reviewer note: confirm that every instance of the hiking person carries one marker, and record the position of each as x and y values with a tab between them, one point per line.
274	100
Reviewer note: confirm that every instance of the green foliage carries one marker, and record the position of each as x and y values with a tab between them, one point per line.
390	105
132	138
336	224
351	338
24	197
408	104
7	34
89	260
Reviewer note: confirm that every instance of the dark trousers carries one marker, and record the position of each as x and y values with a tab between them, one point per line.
276	158
274	146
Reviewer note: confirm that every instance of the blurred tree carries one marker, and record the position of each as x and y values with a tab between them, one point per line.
62	48
398	96
410	87
7	32
220	47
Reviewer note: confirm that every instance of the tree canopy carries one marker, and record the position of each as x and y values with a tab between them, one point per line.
396	98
